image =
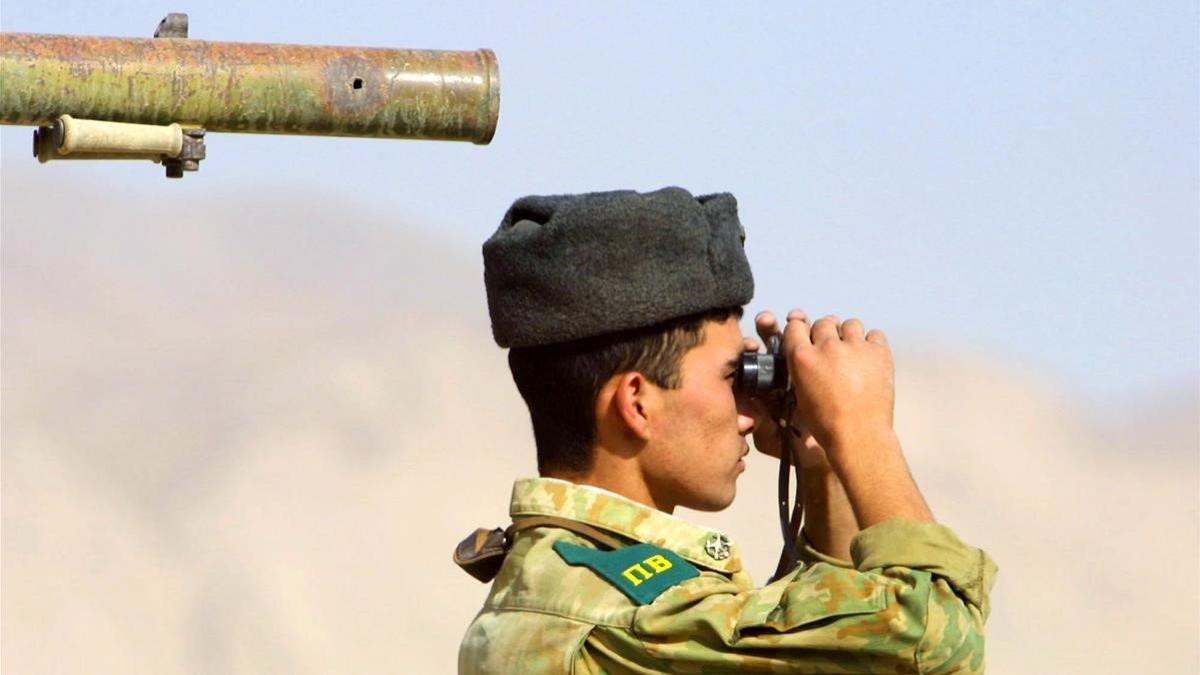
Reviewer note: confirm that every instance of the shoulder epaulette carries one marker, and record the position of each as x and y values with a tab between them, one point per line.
642	571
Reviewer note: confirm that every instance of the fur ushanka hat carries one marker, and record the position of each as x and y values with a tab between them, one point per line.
568	267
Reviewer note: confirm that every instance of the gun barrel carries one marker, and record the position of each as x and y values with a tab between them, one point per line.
251	88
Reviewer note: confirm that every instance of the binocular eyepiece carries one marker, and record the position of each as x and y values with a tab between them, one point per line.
761	372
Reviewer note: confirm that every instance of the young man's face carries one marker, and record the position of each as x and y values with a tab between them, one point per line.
700	439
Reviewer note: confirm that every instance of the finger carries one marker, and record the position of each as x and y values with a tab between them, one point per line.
852	329
877	337
796	333
750	345
825	329
767	325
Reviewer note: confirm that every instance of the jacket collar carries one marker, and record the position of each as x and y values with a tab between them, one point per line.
612	512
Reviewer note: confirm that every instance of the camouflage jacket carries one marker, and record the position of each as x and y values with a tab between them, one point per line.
677	599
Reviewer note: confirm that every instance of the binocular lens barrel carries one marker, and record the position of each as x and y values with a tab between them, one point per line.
762	372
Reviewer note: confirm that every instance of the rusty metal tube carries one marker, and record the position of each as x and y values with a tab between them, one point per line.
252	88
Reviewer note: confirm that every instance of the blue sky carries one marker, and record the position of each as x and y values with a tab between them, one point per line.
1017	179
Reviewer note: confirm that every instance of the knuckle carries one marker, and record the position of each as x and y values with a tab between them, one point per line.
805	358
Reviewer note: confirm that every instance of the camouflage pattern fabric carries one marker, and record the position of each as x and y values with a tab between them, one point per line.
913	600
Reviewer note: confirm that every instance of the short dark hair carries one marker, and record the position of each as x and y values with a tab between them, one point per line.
560	382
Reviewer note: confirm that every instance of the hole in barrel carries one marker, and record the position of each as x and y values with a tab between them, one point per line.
357	83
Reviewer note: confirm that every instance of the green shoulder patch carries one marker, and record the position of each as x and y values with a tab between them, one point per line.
641	571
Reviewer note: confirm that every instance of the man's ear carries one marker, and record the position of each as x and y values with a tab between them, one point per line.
630	400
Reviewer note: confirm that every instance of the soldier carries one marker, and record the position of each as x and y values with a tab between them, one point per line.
621	314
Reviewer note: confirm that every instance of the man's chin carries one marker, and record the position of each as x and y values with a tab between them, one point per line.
713	503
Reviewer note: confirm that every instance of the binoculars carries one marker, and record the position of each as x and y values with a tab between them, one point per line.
762	371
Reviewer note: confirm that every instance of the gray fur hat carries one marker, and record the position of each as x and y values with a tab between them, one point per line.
567	267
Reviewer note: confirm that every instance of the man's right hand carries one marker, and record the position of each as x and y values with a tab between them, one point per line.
844	382
843	378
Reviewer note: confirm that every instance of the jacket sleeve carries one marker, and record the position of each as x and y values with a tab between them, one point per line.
914	601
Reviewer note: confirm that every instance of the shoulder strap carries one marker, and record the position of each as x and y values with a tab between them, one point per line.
582	529
483	551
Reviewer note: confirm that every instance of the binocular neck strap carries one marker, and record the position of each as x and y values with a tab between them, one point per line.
790	516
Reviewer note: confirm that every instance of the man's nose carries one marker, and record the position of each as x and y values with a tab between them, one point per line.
745	423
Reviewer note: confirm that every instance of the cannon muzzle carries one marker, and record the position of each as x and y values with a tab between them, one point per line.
237	87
